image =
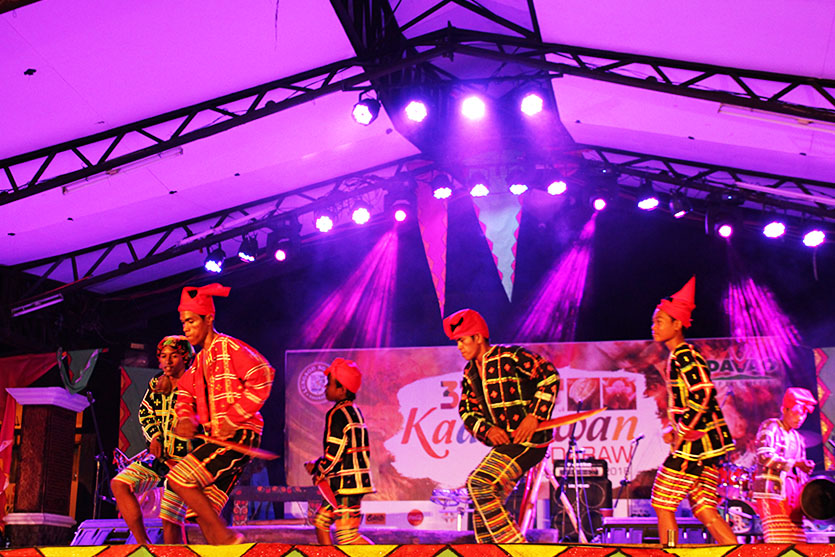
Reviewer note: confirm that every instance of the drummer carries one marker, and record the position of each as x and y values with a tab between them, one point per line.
782	469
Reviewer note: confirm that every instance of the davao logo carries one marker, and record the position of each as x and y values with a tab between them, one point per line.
313	381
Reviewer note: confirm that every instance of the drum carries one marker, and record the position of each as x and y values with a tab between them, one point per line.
734	482
742	518
817	499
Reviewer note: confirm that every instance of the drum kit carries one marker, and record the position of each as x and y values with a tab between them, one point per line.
816	501
735	483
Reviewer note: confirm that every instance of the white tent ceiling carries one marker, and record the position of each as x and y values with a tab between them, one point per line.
73	69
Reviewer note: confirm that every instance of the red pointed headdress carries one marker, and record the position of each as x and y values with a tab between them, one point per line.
681	304
199	299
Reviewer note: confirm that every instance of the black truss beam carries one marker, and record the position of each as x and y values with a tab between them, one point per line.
709	178
337	191
320	81
589	63
645	72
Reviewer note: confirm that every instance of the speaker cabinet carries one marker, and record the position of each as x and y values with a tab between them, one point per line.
593	489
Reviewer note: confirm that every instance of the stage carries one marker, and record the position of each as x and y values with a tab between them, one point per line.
427	550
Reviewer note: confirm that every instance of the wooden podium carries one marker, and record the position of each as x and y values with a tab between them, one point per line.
44	466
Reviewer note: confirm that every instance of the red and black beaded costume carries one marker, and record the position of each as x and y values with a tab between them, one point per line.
514	383
227	385
156	419
693	410
692	468
777	482
345	463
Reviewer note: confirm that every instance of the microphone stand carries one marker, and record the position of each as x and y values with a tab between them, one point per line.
624	483
103	476
571	453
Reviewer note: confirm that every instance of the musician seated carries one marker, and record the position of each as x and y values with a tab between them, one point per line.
782	469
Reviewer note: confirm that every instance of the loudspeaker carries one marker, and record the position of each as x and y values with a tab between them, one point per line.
594	493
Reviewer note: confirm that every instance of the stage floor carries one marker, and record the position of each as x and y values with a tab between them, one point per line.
427	550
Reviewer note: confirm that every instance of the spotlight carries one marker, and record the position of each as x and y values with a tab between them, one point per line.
441	186
531	104
680	205
401	210
473	108
557	187
366	110
478	185
723	215
814	238
248	250
416	111
214	260
726	230
598	202
647	198
361	213
517	181
283	250
323	221
774	229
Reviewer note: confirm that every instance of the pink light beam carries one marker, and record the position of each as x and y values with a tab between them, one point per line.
553	315
359	312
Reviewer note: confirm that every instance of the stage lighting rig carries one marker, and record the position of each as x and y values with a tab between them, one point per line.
680	205
248	250
814	238
442	186
366	110
214	260
478	184
647	198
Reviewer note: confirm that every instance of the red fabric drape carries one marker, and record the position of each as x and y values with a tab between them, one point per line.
15	371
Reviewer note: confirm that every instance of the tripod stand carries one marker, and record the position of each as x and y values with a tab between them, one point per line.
573	513
101	491
624	483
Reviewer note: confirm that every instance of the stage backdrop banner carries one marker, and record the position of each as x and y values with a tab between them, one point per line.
409	397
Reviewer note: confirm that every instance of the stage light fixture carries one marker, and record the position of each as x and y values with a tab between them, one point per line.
557	187
517	181
598	202
680	205
723	215
725	229
248	250
774	229
324	221
478	184
283	250
361	213
814	238
416	111
473	108
531	104
441	186
647	198
366	110
214	260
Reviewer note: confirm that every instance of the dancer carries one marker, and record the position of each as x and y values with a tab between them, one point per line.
345	465
505	392
156	417
782	469
697	433
223	392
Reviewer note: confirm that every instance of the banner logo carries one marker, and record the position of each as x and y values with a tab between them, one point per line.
313	381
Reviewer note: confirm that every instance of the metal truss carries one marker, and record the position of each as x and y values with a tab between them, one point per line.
690	79
188	124
406	65
772	190
179	238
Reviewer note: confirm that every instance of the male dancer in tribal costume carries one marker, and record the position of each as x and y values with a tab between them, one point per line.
223	391
505	392
156	417
697	433
346	463
782	469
